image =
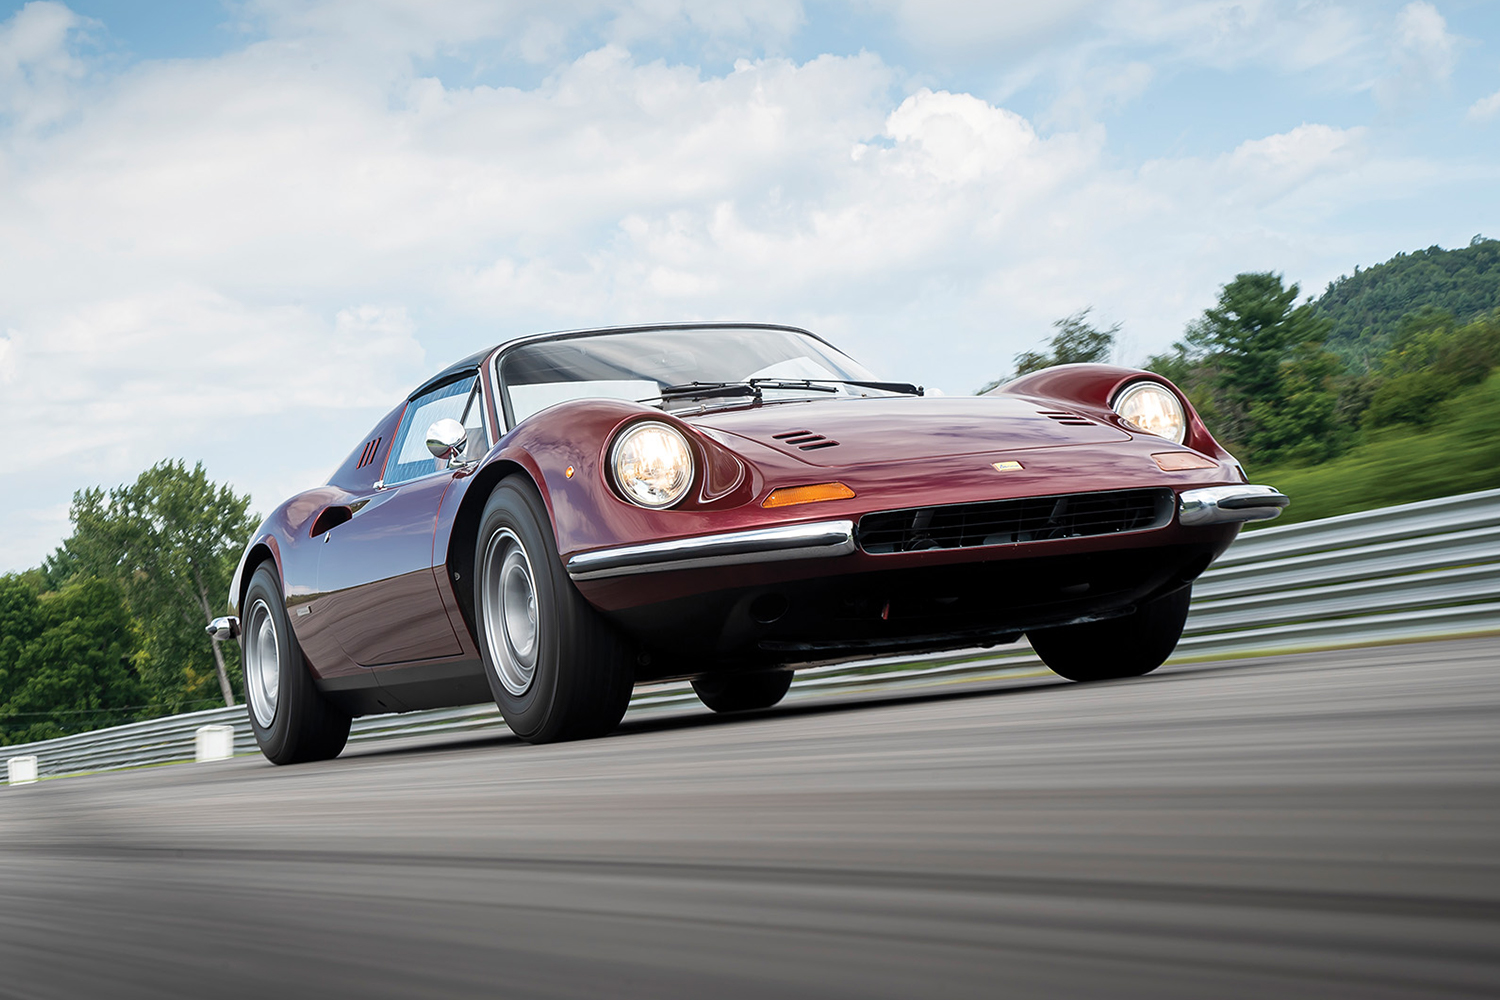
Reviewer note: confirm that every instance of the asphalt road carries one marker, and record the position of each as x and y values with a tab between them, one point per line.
1324	825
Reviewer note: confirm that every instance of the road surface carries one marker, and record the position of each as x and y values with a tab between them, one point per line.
1322	825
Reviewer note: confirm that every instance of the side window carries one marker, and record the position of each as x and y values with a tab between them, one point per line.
473	421
410	458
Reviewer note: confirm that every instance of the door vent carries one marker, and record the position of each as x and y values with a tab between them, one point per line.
1066	418
805	440
368	455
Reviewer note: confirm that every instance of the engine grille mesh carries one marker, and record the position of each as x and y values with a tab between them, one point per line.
1007	522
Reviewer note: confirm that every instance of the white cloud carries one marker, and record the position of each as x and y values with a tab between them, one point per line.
1423	53
112	380
1226	34
1485	108
535	31
37	72
987	25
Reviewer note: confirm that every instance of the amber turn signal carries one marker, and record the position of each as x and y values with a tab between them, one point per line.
1179	461
786	496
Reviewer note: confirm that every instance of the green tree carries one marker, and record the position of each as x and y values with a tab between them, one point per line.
65	659
1255	367
1367	308
1431	359
170	541
1076	342
1301	421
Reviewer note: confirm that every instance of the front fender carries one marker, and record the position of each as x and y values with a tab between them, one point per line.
1091	388
284	537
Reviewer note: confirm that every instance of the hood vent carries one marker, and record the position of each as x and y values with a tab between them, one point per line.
805	440
1066	419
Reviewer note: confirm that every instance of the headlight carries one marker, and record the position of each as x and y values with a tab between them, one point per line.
652	464
1151	407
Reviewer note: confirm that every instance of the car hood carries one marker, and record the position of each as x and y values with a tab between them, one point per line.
835	432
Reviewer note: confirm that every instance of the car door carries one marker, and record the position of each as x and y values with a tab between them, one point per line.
375	570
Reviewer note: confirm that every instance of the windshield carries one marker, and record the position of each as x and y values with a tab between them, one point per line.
638	366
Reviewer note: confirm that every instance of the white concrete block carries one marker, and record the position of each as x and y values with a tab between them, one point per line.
21	770
214	743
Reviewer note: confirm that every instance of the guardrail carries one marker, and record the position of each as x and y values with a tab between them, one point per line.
1415	571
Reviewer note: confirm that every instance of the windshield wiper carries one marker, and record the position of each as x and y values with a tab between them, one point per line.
706	390
752	387
902	387
749	387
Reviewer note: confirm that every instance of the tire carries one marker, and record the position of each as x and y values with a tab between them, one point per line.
292	721
557	669
1118	647
742	692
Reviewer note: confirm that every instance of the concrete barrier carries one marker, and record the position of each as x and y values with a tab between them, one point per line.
21	770
213	743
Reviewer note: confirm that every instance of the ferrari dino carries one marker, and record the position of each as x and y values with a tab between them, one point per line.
551	521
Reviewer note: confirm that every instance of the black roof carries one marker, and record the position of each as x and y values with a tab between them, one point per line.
452	372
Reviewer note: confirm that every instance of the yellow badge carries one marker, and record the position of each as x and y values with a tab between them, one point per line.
1006	466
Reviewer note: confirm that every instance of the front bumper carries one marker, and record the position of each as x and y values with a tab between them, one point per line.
1229	505
1212	505
734	548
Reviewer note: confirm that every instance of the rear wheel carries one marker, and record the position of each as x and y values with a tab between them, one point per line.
557	669
292	721
1118	647
742	692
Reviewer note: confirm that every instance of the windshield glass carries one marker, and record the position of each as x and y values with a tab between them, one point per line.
638	366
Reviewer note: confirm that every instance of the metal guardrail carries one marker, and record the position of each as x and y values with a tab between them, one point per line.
1415	571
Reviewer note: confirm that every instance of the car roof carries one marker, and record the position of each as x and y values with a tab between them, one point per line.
473	361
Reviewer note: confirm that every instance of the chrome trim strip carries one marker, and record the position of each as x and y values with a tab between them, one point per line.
1229	504
223	628
792	541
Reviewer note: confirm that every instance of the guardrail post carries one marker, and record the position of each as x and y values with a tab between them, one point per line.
213	743
21	770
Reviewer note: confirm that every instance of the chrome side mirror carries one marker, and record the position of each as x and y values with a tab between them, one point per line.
448	439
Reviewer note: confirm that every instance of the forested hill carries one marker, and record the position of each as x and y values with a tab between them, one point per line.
1366	308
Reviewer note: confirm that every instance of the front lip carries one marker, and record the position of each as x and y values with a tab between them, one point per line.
817	540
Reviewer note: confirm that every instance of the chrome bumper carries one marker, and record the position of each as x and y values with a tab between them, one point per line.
223	628
794	541
1228	504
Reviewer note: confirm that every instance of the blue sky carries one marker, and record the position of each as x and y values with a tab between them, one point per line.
238	232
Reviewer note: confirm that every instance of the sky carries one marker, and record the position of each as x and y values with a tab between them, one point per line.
239	232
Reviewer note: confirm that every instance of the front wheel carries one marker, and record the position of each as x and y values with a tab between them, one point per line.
292	721
557	669
1117	647
742	692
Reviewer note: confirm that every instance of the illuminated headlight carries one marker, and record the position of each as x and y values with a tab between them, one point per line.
1151	407
652	464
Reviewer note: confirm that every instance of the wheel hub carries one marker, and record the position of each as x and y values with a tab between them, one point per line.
262	663
510	611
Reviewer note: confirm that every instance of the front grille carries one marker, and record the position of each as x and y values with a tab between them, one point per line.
1007	522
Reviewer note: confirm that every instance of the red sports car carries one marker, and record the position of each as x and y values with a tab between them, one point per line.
552	521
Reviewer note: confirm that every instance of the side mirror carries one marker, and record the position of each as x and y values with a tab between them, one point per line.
447	439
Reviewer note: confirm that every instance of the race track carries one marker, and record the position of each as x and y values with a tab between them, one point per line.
1323	825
